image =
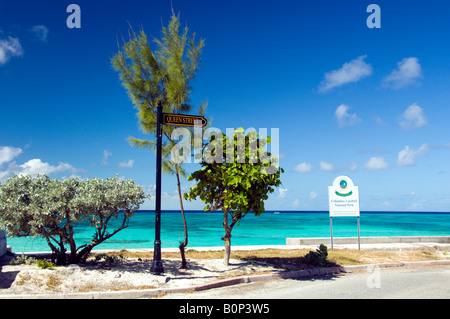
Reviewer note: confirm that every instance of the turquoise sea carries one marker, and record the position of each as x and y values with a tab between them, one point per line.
271	228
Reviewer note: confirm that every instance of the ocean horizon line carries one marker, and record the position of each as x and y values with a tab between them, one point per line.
292	211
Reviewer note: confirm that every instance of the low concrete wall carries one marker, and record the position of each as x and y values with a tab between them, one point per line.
368	240
2	243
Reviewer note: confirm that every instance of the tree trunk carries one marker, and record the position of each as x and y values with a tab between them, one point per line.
58	255
183	244
226	256
70	239
183	257
226	238
83	254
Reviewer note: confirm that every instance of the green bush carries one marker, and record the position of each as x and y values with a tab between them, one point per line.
53	208
22	259
43	264
318	257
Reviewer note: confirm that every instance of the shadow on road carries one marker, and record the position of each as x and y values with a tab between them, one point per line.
297	268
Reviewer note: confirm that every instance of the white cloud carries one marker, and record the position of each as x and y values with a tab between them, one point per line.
36	166
150	190
106	154
296	203
353	166
9	48
380	121
386	203
376	163
8	153
413	117
352	71
312	195
32	167
303	168
418	205
282	192
324	166
407	156
408	71
344	118
40	32
127	164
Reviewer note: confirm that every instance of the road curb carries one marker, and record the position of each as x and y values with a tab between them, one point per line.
296	274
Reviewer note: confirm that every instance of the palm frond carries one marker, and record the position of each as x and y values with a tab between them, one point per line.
142	143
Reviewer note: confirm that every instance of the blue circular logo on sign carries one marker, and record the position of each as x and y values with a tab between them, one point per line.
343	183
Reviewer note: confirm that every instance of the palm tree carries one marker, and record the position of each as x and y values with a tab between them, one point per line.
162	75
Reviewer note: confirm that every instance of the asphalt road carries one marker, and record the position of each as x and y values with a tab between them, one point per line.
432	282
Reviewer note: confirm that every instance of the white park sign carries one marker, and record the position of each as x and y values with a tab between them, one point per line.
343	198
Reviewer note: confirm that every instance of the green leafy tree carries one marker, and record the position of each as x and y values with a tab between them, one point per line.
165	76
238	182
51	208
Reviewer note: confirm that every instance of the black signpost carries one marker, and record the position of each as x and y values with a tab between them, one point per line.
157	267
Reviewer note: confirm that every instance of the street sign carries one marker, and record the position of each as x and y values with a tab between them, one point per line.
182	119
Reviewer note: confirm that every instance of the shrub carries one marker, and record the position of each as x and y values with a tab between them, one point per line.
43	264
318	257
40	206
22	259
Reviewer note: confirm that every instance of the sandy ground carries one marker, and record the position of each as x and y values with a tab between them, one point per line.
127	274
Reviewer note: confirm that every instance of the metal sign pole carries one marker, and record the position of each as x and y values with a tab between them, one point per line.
157	266
165	119
331	229
359	239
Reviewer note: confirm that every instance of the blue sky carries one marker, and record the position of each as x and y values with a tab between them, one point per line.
372	104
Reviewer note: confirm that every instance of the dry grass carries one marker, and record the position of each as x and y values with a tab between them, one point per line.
53	282
22	279
358	257
50	281
294	258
